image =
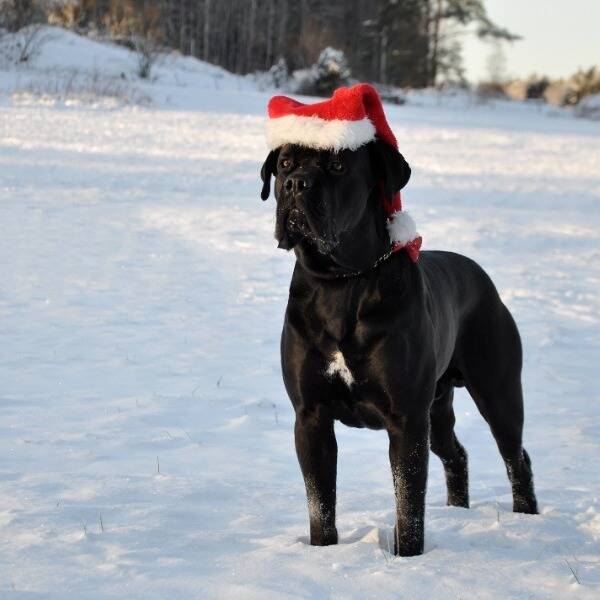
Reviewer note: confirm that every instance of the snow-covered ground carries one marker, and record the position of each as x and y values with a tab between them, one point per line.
66	69
145	435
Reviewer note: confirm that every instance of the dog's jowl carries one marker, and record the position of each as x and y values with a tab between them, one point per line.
378	334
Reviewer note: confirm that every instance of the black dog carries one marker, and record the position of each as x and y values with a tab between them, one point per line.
382	343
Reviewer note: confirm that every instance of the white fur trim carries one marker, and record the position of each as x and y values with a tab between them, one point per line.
338	366
402	228
318	133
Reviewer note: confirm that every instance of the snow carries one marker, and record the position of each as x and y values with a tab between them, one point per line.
589	107
68	69
146	436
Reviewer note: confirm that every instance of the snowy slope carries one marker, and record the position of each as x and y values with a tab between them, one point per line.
68	69
145	435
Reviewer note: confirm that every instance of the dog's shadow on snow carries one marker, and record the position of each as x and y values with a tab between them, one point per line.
382	536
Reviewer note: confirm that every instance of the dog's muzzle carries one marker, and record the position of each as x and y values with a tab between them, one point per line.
296	222
291	228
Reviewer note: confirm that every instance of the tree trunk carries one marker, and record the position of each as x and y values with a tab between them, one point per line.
269	49
206	41
435	41
383	56
250	41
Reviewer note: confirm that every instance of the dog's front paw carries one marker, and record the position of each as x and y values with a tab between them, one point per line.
327	537
525	505
407	545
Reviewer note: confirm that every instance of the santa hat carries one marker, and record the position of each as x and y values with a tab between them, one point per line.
352	118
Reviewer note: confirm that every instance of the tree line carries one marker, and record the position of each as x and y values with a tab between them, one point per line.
401	42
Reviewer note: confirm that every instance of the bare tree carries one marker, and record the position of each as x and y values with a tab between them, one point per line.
30	41
451	19
496	63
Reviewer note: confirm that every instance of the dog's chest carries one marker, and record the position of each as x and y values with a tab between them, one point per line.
348	371
351	390
337	367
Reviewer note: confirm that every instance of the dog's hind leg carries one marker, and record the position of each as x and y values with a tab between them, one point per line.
450	451
503	411
316	448
493	378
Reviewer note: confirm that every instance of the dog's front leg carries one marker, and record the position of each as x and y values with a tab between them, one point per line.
409	452
316	448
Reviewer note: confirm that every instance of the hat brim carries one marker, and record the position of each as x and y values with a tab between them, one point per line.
320	134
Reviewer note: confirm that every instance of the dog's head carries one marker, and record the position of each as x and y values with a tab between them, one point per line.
323	196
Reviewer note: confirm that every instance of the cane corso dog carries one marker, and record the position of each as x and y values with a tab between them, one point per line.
383	343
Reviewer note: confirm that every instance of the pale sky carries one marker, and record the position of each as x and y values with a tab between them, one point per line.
559	36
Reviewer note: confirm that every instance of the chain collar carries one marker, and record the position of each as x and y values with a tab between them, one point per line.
380	260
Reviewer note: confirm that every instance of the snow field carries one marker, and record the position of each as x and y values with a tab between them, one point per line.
146	437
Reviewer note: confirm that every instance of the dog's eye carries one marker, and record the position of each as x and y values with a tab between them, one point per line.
285	163
336	165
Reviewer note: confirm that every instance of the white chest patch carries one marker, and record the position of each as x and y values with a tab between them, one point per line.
338	366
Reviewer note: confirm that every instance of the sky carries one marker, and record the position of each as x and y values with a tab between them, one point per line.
558	37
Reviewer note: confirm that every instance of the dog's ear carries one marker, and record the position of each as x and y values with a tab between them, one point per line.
390	167
269	168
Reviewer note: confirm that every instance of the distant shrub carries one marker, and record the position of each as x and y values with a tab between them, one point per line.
557	92
491	90
581	84
277	77
22	46
279	74
589	107
516	90
329	72
532	88
391	94
536	87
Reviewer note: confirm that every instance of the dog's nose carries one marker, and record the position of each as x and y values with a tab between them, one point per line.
298	183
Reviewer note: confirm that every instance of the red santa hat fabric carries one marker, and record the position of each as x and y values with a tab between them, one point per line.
353	117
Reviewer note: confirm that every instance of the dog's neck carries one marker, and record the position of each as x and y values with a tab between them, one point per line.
358	250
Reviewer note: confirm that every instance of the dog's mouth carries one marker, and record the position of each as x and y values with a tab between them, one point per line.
297	222
294	227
